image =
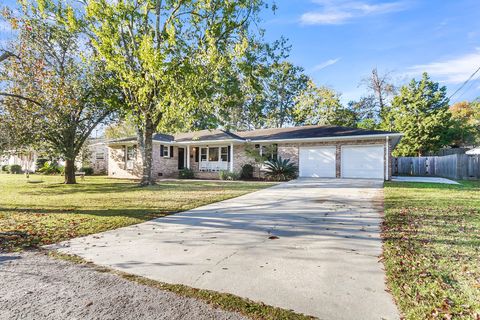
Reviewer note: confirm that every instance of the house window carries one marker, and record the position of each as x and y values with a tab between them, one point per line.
224	154
203	154
212	154
131	153
100	156
164	151
269	151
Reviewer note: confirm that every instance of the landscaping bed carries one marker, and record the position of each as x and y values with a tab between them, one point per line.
432	249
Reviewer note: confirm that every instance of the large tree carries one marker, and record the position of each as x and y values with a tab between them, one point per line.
52	94
321	106
283	84
420	112
169	55
466	119
373	108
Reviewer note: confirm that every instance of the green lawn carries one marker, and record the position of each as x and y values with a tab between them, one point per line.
46	211
432	249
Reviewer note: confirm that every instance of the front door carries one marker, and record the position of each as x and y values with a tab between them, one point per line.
181	158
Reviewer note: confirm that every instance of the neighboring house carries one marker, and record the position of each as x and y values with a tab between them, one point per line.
319	151
98	155
474	151
25	159
97	158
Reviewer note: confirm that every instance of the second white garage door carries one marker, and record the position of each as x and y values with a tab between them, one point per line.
362	162
318	162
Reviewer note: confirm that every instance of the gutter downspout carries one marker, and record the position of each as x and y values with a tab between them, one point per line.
387	167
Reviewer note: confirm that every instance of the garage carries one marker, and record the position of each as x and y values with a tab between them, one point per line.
363	162
317	162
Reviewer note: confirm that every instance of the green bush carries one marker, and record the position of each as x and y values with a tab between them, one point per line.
280	170
246	172
87	170
5	168
227	175
51	167
186	173
15	168
39	163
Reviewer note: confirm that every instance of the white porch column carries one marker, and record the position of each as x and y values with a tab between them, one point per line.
231	157
188	156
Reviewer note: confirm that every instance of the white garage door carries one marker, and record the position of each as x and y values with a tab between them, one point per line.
317	162
362	162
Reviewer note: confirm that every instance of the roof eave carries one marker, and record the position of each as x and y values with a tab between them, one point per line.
315	139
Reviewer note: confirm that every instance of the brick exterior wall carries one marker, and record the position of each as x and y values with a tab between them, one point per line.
167	167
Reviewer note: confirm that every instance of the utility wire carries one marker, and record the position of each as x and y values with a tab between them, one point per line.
463	84
469	87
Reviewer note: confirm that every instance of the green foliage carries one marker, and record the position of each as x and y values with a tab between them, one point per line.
87	170
170	57
50	167
284	84
40	163
227	175
55	92
421	113
5	168
186	173
15	169
466	123
280	170
247	172
321	106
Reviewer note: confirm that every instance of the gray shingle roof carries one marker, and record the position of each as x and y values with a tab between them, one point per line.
304	132
205	135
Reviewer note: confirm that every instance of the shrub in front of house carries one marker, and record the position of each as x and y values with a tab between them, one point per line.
5	168
50	167
280	170
186	173
247	172
39	163
227	175
87	170
15	168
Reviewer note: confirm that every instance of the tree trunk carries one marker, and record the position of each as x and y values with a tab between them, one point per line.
147	178
70	172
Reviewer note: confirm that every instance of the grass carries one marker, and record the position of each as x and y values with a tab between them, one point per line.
44	211
225	301
432	249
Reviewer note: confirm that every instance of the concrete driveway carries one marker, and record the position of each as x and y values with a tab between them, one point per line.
311	245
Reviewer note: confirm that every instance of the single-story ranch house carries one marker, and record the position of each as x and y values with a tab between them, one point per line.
318	151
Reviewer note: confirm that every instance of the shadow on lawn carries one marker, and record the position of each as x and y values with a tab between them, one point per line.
122	187
141	213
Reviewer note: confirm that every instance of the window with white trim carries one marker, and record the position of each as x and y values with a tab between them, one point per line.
131	153
213	154
100	155
224	154
165	151
203	154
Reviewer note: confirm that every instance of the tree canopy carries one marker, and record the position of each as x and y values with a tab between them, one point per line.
420	112
53	97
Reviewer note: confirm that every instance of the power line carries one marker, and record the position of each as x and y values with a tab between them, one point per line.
463	84
469	87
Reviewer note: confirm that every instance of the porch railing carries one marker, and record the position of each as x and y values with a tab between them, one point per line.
213	165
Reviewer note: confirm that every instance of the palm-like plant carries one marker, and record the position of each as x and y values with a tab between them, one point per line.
280	169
